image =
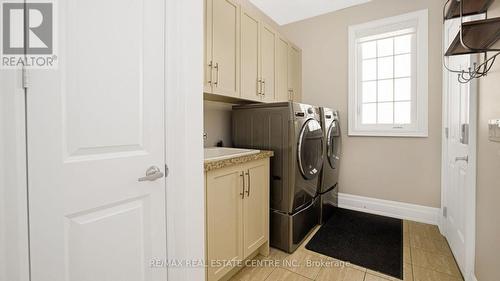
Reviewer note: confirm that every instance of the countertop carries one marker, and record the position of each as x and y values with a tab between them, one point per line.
218	164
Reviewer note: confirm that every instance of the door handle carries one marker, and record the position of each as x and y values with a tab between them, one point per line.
211	66
464	158
248	189
152	174
217	76
242	193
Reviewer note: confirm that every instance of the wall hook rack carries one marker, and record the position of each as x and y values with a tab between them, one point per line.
474	37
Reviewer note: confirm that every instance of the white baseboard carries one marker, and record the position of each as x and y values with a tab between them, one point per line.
390	208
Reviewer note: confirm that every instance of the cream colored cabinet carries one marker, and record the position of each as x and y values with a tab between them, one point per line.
222	47
224	204
237	215
256	207
295	73
246	58
282	89
250	53
258	65
268	63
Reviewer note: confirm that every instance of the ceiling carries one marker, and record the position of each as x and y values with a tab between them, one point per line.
288	11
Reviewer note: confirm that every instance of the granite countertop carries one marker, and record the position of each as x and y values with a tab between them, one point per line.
218	164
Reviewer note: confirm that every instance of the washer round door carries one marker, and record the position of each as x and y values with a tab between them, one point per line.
310	149
332	144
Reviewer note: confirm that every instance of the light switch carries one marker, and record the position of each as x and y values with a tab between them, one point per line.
494	130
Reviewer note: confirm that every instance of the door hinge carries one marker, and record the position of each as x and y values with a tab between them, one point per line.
26	78
447	132
166	170
445	212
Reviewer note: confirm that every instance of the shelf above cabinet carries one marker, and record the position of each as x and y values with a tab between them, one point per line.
478	35
471	7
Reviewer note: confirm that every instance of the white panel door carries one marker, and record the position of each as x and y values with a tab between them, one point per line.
94	126
460	146
457	168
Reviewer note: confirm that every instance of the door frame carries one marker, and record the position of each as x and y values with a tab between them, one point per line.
470	213
185	190
14	243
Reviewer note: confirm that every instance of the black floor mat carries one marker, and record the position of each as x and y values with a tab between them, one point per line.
367	240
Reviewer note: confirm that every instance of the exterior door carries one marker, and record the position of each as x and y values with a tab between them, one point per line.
256	206
250	85
225	46
95	125
268	62
459	158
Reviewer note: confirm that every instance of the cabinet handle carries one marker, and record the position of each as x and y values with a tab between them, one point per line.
242	193
211	66
259	87
263	87
217	76
248	189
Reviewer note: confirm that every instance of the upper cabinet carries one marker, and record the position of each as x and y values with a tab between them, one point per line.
282	89
268	63
295	73
246	59
222	48
250	53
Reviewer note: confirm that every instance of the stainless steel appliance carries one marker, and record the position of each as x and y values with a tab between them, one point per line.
329	176
293	131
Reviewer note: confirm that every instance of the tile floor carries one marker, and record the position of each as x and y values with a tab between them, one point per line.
427	257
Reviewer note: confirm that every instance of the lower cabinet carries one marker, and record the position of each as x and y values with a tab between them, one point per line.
237	215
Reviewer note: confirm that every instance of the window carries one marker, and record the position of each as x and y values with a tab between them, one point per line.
388	77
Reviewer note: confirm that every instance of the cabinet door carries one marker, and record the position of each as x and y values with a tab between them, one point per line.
282	93
208	65
295	73
249	57
224	191
268	62
256	206
225	47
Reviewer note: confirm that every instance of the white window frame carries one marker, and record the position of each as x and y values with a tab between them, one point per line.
419	127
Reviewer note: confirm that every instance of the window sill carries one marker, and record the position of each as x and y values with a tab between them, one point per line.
389	134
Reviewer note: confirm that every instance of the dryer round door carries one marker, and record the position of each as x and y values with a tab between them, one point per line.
310	149
332	144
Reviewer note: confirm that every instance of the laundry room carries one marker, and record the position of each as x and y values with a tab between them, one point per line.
249	140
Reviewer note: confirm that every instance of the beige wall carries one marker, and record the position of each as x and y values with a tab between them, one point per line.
217	123
488	176
400	169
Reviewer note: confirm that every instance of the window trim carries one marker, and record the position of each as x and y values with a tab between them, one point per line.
419	128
